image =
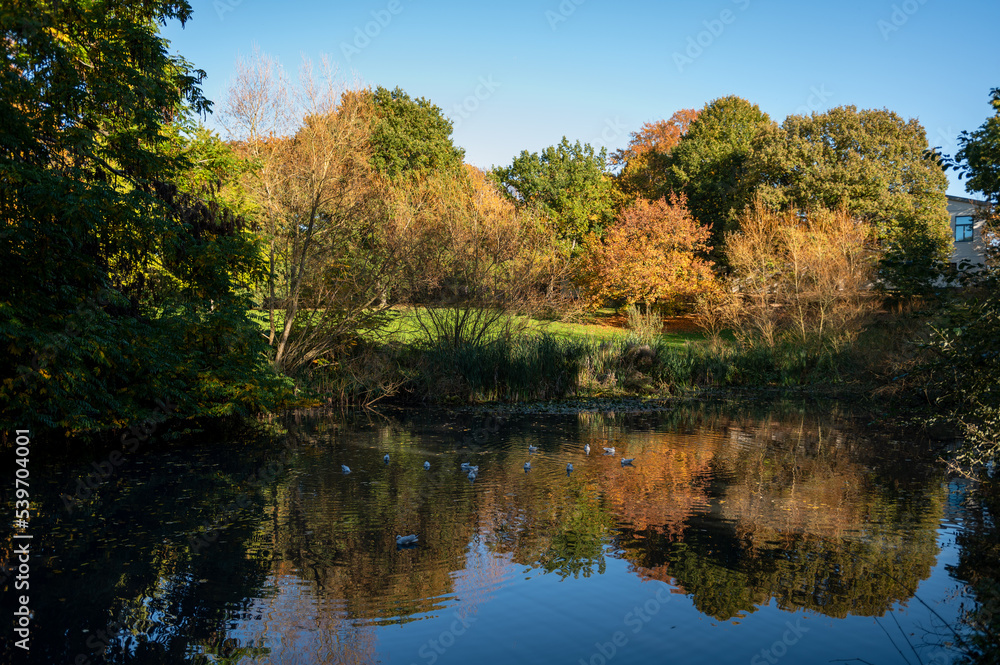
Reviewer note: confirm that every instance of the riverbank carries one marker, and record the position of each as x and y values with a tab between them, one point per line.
538	367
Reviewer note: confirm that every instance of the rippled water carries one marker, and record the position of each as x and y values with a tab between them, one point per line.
782	536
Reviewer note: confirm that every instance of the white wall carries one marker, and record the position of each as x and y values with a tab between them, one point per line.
966	251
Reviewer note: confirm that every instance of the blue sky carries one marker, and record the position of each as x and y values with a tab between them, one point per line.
519	75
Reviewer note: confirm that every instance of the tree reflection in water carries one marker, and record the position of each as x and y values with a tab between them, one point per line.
737	511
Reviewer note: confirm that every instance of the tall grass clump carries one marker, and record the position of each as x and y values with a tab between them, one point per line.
644	323
360	375
536	367
690	366
544	367
528	367
618	366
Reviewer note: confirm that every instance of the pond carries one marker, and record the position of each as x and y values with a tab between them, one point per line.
782	533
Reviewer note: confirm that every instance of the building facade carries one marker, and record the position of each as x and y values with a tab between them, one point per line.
966	230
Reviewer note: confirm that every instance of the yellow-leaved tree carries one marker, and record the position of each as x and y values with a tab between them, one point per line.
807	276
475	261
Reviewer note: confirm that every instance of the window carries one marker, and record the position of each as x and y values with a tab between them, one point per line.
963	229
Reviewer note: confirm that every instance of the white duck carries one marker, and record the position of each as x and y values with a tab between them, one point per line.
472	475
345	468
627	461
586	449
569	468
427	466
532	449
609	451
406	540
527	466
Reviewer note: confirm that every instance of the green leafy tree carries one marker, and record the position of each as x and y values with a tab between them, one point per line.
978	157
962	377
411	136
963	374
710	163
872	164
95	205
568	182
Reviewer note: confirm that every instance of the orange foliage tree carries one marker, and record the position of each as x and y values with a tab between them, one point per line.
643	161
652	253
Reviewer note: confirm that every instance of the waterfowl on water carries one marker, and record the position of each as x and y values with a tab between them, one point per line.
472	474
627	461
609	451
345	468
427	466
586	449
532	449
406	540
569	467
386	458
469	467
527	466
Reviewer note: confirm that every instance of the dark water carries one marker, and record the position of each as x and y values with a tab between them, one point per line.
788	535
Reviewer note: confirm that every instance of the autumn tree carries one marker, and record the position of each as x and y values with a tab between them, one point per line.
570	183
710	164
645	161
258	104
475	260
652	253
319	207
874	165
805	276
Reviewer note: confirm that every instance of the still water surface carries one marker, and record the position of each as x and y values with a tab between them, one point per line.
787	535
